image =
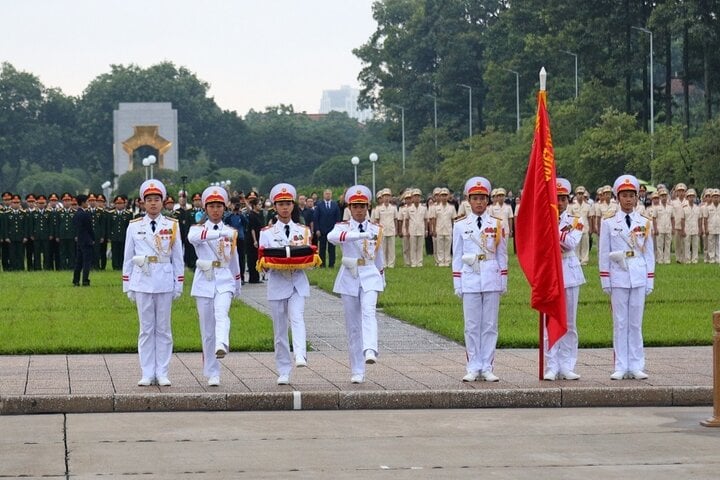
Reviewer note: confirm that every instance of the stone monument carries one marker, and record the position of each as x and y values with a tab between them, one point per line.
137	125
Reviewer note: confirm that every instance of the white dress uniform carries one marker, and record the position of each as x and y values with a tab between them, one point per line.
713	228
627	272
479	265
562	357
358	282
582	210
153	274
444	215
663	215
287	289
216	282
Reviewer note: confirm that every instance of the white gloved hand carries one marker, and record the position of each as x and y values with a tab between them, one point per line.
131	296
236	295
607	290
648	291
177	294
227	233
458	292
364	235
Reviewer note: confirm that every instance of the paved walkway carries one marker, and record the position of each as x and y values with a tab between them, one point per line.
416	369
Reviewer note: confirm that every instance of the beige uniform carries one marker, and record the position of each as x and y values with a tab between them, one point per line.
713	229
402	216
704	234
678	209
662	217
692	232
387	216
582	211
444	215
416	221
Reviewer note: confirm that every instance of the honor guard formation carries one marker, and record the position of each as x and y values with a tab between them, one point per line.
226	237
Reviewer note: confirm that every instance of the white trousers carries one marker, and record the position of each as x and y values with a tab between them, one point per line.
288	312
442	250
628	305
361	327
480	311
214	329
562	357
388	246
155	338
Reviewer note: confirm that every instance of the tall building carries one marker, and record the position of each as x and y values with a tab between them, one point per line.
344	100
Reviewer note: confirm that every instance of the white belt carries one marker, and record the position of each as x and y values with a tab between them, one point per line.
568	254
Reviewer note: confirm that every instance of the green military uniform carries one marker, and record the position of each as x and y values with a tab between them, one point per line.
117	223
99	224
16	236
42	232
65	237
4	249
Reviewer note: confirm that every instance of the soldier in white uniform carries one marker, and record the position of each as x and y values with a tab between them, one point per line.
153	276
360	279
679	204
286	289
217	279
402	214
561	358
627	273
444	214
712	227
479	266
386	214
416	224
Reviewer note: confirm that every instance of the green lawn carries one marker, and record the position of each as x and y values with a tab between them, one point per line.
41	312
678	312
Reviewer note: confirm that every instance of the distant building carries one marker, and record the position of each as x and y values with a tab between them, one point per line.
344	100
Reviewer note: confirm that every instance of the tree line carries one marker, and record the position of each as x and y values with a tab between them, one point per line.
425	56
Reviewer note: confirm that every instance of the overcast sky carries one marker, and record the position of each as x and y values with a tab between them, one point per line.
254	53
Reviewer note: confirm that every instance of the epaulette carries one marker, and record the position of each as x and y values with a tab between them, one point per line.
342	223
266	227
461	217
136	219
172	219
496	218
609	214
645	216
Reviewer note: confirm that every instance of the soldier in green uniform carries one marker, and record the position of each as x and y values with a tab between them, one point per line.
16	234
30	209
4	247
65	234
42	234
101	253
54	207
118	219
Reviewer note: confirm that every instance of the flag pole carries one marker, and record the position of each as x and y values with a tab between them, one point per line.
541	319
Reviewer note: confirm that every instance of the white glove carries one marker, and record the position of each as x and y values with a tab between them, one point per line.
177	293
131	296
606	290
236	296
362	235
227	234
648	291
458	292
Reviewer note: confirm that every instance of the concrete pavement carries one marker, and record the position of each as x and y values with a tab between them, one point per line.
588	443
416	369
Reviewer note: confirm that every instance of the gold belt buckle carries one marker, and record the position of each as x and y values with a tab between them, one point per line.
361	262
481	256
630	253
216	264
152	259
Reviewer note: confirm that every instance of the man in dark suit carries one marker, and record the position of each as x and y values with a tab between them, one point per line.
326	215
85	240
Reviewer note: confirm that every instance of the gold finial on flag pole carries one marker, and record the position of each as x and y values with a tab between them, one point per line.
543	79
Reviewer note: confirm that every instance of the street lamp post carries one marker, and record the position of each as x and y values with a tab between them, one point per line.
150	161
576	69
652	100
106	188
373	158
517	98
469	107
402	128
355	160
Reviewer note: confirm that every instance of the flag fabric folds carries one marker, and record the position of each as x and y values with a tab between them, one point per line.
536	232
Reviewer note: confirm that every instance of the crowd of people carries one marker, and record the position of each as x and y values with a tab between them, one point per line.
223	235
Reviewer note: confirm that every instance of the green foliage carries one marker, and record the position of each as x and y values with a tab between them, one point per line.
46	182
